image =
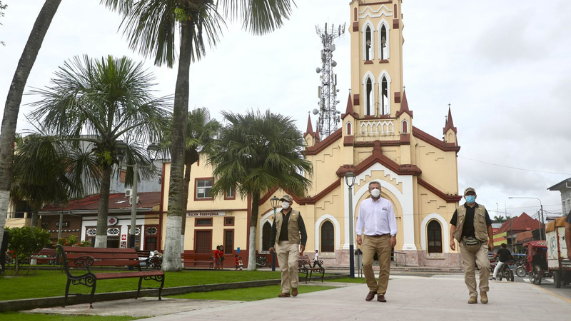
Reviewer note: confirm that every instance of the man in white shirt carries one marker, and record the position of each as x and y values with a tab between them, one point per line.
378	223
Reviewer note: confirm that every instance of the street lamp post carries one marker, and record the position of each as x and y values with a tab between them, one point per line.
541	221
275	202
152	152
350	181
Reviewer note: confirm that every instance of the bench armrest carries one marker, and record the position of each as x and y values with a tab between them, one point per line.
84	261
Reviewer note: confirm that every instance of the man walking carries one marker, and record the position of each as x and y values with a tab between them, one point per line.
288	231
378	223
472	228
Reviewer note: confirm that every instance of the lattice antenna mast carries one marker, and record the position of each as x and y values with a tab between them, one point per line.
329	117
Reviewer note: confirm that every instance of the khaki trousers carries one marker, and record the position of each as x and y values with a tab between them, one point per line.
469	259
288	254
382	246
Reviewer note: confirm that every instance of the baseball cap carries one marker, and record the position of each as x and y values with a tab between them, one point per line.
287	198
470	189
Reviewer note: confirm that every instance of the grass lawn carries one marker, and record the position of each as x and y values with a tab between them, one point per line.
247	294
15	316
349	280
47	283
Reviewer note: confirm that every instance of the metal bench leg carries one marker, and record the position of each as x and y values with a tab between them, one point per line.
322	275
161	288
66	292
310	275
139	289
92	294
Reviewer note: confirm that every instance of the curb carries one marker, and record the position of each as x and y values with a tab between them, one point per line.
29	304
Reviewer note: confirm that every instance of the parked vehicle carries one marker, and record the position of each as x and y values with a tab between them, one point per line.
536	263
557	262
262	261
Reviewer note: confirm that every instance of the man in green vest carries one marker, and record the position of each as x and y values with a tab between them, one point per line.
472	228
288	231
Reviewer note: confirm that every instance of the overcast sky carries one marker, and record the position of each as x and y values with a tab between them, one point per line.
502	65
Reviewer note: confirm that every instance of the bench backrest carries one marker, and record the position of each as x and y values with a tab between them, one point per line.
196	256
303	259
101	256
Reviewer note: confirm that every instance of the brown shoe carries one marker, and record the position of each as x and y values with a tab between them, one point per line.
293	291
484	297
283	295
370	296
473	300
381	298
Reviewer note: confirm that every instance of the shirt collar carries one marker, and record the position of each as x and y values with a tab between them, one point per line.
466	205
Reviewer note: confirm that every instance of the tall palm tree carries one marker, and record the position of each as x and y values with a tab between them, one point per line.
13	101
201	132
256	153
150	26
97	103
42	166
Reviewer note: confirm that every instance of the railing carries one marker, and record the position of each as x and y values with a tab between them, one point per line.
377	127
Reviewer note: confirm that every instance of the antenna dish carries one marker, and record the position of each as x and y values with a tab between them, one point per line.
315	111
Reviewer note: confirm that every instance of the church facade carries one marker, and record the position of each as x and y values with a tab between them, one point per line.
377	142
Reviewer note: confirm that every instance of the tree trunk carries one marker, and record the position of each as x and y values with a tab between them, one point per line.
187	171
176	209
253	229
103	209
13	100
35	216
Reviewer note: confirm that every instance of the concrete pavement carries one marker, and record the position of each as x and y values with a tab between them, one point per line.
439	297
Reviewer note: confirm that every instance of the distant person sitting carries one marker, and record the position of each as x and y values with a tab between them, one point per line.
240	263
504	256
539	259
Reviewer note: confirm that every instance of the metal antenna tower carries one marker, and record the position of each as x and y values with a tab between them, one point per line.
329	117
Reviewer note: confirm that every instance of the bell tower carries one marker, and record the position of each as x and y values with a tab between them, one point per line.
376	57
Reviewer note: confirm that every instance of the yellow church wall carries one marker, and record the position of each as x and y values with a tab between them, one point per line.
439	168
325	164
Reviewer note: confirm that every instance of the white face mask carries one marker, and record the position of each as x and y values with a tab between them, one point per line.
376	193
285	205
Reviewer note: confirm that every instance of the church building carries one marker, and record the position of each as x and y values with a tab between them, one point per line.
377	142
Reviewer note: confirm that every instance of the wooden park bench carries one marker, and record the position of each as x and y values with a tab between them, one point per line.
305	266
194	259
80	258
45	256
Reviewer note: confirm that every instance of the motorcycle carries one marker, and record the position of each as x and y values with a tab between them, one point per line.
262	261
155	260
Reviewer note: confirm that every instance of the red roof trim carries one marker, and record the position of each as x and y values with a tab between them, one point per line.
447	197
447	147
314	150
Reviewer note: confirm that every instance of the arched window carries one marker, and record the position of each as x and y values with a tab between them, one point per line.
327	237
385	108
384	43
349	131
404	129
266	231
369	97
434	237
368	44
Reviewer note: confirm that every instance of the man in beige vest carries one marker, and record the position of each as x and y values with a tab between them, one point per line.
288	231
472	228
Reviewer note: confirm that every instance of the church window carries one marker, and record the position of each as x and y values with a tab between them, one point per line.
369	97
385	107
266	231
384	50
404	127
327	237
349	132
434	237
368	44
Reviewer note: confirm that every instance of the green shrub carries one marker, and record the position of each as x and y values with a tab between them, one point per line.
25	241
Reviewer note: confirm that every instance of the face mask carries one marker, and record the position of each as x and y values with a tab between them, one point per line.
470	199
285	205
376	193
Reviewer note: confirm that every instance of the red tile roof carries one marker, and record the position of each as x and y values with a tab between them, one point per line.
519	224
116	201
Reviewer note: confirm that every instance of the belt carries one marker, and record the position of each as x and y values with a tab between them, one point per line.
378	235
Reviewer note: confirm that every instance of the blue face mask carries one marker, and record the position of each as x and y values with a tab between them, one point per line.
470	199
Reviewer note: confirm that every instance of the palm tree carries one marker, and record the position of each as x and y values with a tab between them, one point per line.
499	219
13	101
150	26
201	132
259	152
41	173
97	103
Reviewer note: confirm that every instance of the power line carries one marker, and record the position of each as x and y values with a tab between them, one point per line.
511	167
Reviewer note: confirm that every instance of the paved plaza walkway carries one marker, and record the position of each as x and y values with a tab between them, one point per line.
439	297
